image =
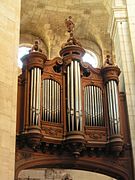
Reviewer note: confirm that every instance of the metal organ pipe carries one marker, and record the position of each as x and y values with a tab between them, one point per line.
94	96
117	107
72	95
86	105
50	98
54	101
90	118
51	101
68	98
98	106
35	96
57	103
101	107
80	99
112	95
76	95
114	108
39	95
109	95
43	102
74	102
47	99
93	106
31	98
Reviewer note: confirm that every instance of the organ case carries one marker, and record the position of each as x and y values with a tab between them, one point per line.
66	101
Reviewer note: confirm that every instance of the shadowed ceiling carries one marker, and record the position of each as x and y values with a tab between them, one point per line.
44	19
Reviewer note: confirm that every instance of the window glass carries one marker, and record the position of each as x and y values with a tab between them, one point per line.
22	51
91	58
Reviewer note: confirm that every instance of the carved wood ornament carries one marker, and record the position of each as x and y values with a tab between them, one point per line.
71	115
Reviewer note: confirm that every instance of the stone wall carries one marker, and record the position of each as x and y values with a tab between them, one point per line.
9	39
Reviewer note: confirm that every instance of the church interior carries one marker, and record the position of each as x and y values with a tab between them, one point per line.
67	90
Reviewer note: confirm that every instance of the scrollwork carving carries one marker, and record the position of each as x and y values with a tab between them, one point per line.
23	155
55	132
96	135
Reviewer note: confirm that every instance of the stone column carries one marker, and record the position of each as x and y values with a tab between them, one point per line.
131	19
9	41
120	34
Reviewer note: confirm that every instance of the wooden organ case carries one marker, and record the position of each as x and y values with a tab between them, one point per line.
71	111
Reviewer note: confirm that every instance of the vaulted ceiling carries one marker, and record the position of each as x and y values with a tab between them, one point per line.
45	19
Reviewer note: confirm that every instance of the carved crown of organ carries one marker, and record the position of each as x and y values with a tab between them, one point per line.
67	102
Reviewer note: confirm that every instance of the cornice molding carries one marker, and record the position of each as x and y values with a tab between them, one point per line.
119	14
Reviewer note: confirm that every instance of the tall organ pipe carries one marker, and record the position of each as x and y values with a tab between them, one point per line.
109	110
57	111
80	99
72	95
43	102
55	101
117	109
93	106
39	95
51	101
35	96
58	103
112	96
90	107
68	98
76	96
74	102
31	101
47	98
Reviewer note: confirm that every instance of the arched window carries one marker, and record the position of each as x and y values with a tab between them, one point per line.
23	50
91	58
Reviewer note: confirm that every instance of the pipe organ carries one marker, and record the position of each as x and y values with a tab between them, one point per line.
67	106
69	101
66	101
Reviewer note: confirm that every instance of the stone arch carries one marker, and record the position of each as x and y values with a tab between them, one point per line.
101	166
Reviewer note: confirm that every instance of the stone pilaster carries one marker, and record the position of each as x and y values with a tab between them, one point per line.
9	40
120	34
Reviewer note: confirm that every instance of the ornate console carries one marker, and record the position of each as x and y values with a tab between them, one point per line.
66	106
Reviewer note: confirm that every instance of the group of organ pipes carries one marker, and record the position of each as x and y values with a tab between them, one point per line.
51	101
68	100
